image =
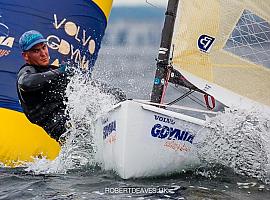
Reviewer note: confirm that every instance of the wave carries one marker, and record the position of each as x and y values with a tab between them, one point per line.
238	139
85	102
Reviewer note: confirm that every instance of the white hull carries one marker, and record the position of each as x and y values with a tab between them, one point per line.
139	140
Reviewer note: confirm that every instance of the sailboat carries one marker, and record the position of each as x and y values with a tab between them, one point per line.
218	49
74	30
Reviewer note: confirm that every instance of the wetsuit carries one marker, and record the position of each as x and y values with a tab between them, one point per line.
41	92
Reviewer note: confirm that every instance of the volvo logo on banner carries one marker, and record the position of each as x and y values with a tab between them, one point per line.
164	119
6	42
205	43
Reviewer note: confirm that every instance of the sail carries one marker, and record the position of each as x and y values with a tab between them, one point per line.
74	30
223	48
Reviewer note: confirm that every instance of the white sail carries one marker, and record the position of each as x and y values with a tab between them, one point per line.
223	48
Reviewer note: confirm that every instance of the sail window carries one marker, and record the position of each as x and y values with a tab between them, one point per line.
250	39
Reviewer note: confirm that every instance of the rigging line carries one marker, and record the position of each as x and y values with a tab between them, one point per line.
183	91
151	4
181	97
165	85
199	102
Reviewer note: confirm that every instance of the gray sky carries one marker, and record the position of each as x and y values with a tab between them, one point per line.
139	2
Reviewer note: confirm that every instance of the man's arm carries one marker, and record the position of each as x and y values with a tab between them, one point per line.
30	80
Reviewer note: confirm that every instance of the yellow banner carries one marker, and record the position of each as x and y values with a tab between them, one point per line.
105	5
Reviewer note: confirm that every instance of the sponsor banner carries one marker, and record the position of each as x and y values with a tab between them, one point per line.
74	31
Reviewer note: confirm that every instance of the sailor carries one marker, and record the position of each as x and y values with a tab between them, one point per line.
41	86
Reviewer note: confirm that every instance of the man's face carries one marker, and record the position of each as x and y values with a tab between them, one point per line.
37	55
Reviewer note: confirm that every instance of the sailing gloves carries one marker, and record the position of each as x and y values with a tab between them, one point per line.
67	69
63	68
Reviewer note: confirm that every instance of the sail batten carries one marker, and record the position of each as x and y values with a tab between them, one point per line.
225	44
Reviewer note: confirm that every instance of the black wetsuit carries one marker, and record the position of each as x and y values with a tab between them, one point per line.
42	94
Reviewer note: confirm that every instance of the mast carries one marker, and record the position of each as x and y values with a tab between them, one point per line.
163	61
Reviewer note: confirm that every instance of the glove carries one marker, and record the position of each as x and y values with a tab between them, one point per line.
67	69
63	68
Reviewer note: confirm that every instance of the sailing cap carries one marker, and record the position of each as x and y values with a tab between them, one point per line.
29	39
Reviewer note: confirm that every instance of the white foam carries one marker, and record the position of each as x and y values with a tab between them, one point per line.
240	140
85	103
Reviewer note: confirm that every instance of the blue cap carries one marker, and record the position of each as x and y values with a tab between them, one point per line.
30	38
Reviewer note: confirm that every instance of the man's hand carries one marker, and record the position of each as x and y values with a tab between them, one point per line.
67	69
63	67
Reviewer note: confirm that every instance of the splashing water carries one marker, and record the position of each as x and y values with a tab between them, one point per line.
238	139
85	103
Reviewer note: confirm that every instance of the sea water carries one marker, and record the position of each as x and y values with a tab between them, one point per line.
234	153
